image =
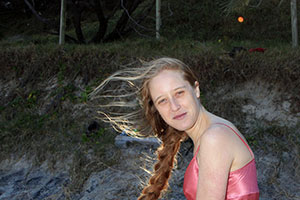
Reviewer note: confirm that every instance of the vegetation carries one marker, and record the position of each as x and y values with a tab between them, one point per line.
99	21
33	106
44	88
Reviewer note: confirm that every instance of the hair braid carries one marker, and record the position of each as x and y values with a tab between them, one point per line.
166	155
125	102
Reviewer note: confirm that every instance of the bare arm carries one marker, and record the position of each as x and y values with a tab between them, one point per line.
214	159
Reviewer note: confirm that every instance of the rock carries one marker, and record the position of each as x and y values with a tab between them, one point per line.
31	183
102	185
123	141
21	180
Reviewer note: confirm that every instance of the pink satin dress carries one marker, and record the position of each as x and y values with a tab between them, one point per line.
241	185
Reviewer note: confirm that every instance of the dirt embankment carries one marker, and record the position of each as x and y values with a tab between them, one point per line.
50	151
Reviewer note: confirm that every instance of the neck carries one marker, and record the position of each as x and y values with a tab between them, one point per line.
202	123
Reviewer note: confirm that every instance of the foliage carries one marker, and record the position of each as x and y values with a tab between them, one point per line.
44	105
206	21
233	5
105	15
195	20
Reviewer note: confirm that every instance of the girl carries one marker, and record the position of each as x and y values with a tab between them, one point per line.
162	100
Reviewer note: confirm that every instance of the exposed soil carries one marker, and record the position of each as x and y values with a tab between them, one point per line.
261	111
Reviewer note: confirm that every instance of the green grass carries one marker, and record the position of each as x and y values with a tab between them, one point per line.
35	62
52	123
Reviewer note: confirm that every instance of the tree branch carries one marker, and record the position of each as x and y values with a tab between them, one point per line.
280	3
76	10
102	22
256	6
137	22
123	20
35	13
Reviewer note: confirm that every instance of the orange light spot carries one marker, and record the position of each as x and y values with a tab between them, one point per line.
241	19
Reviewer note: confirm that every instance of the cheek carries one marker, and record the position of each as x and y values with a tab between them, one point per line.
163	112
193	104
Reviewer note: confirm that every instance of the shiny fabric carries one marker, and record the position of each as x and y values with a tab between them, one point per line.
241	185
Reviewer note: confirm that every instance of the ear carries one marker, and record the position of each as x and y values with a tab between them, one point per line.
197	90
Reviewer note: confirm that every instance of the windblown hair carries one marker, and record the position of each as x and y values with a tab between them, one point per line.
125	102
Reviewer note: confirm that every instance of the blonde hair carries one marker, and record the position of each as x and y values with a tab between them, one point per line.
125	102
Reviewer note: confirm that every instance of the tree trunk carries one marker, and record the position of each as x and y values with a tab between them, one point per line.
62	27
158	18
294	23
35	13
118	32
76	18
103	23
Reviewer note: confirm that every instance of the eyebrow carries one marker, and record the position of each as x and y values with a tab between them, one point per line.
180	87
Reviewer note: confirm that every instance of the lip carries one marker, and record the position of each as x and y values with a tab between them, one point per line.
180	116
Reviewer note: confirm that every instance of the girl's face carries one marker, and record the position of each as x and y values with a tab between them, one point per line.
175	99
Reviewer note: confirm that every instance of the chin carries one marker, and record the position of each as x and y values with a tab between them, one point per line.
182	128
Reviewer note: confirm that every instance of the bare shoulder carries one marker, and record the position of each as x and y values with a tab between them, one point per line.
216	134
216	150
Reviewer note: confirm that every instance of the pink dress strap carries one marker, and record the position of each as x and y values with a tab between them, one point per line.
241	185
239	137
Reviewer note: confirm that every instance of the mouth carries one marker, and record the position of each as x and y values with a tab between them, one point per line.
180	116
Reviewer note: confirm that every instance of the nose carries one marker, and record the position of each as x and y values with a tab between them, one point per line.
174	104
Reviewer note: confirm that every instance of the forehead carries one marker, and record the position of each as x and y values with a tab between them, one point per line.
166	80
